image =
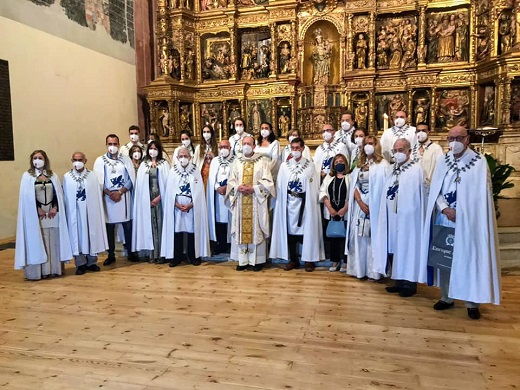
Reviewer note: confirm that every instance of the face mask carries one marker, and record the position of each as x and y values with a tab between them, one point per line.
247	150
340	167
358	141
186	142
369	150
327	136
291	137
456	147
399	122
296	154
184	161
206	136
136	156
153	153
112	149
239	129
134	137
224	152
345	126
38	164
78	165
400	157
422	136
265	133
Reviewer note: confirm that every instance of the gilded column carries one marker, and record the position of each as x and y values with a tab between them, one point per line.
516	22
273	113
225	125
180	34
198	57
473	28
421	52
371	40
293	112
233	43
349	44
174	115
504	90
162	37
294	61
473	97
274	54
371	112
196	119
409	106
433	104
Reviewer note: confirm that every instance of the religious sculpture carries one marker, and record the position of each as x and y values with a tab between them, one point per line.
189	64
360	114
284	58
257	118
233	114
447	39
487	114
382	50
409	60
515	103
185	118
483	43
321	56
396	104
283	124
255	62
504	32
361	52
452	108
164	119
218	65
421	111
448	36
206	5
397	43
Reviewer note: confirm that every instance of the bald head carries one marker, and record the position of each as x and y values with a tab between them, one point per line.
458	131
459	140
224	144
79	156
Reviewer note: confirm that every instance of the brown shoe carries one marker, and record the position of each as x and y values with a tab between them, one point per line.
309	266
291	265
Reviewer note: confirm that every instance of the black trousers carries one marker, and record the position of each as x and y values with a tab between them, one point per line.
221	232
178	243
292	243
111	236
337	249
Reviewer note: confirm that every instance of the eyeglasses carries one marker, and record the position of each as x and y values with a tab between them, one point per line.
459	138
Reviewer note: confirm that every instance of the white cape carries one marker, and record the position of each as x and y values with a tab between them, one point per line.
475	273
210	196
30	249
312	249
95	215
142	236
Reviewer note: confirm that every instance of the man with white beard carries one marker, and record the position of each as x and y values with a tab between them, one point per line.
401	129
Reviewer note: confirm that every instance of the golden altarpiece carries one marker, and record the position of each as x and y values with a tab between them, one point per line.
299	64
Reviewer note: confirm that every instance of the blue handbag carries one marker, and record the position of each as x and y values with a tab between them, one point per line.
336	229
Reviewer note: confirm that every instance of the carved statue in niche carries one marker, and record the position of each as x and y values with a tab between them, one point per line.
255	60
284	58
212	4
217	63
515	102
259	111
184	117
452	109
257	118
189	64
396	43
396	104
234	113
361	51
382	49
462	37
483	43
487	113
164	119
284	122
421	110
409	60
361	113
174	65
321	56
504	31
447	36
211	114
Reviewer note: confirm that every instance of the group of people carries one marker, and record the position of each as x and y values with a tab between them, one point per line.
371	203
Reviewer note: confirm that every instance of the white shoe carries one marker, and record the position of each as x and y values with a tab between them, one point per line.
334	268
343	268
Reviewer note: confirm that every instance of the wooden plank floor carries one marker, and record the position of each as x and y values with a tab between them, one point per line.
143	326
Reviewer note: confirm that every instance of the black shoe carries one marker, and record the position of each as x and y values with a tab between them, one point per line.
133	258
241	267
393	289
197	261
93	268
258	267
174	263
109	260
81	270
474	313
441	305
406	292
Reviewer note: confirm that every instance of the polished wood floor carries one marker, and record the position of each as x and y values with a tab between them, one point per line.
143	326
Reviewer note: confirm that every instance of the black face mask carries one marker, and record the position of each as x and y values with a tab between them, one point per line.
339	168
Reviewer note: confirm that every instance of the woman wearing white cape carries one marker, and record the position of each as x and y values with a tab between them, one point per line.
149	190
42	237
367	183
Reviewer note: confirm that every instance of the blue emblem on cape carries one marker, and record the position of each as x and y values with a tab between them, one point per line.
327	163
185	189
81	195
223	183
118	181
451	198
392	192
295	186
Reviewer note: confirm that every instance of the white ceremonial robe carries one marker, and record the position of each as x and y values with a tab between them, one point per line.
391	135
325	153
125	149
286	212
198	160
263	188
431	152
236	143
287	151
184	181
142	235
272	153
401	232
30	248
345	137
85	213
360	248
475	272
111	174
217	210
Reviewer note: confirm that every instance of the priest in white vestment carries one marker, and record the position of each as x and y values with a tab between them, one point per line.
116	175
401	219
133	132
461	197
297	212
219	216
249	188
185	227
401	129
426	152
85	215
325	152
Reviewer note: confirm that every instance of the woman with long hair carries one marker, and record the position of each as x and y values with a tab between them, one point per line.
136	155
42	237
268	146
205	151
185	138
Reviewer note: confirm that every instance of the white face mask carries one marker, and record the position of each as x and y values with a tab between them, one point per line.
134	137
422	136
239	129
296	154
327	136
291	137
153	153
206	136
456	147
265	133
112	149
359	141
400	157
186	142
184	161
78	165
369	150
247	150
224	152
136	156
399	122
345	126
38	164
